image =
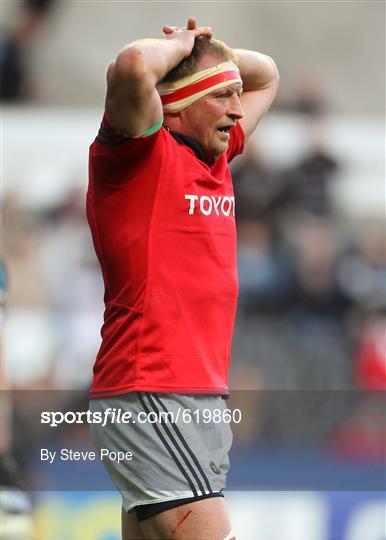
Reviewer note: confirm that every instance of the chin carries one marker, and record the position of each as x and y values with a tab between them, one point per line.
221	149
215	151
220	146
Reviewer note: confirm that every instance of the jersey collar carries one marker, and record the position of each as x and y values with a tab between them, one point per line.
190	142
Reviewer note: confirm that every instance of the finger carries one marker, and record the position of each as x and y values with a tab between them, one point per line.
205	31
169	29
191	24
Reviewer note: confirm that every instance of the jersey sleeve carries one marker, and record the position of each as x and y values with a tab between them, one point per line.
236	142
116	158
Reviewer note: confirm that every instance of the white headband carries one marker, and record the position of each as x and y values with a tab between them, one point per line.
178	95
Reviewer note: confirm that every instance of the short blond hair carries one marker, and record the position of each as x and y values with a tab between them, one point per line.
202	47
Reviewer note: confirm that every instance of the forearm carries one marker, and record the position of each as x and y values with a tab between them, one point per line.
149	59
257	70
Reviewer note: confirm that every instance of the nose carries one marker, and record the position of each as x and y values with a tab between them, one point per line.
235	110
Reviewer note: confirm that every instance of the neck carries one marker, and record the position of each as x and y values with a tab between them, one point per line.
193	144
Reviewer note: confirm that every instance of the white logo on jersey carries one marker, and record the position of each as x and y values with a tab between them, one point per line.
209	205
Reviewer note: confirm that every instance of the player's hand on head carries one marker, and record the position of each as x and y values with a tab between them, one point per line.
187	34
191	27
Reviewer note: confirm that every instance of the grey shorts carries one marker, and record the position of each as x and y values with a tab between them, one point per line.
179	445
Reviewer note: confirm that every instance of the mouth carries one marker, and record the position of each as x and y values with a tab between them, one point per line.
224	130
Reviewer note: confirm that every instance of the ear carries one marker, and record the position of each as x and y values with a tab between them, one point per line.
173	120
172	115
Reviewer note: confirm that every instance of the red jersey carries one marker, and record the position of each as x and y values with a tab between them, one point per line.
163	228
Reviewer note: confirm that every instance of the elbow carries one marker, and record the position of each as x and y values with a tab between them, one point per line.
129	70
275	76
130	64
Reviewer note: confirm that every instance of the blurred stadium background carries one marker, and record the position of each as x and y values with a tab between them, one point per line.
309	366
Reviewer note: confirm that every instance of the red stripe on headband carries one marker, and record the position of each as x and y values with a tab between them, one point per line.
199	86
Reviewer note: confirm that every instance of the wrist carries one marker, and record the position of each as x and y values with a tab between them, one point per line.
175	50
183	48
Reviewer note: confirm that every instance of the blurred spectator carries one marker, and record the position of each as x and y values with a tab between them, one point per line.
307	98
22	252
363	435
315	254
249	395
370	361
14	48
362	271
15	505
306	185
309	95
256	184
72	276
265	275
54	295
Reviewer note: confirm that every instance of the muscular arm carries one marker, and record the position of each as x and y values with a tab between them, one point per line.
132	101
260	83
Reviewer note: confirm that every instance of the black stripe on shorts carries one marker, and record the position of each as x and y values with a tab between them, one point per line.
175	442
189	450
168	448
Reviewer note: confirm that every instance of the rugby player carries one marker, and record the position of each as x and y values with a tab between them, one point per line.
160	206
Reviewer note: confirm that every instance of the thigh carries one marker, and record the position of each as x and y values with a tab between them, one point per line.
130	526
200	520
